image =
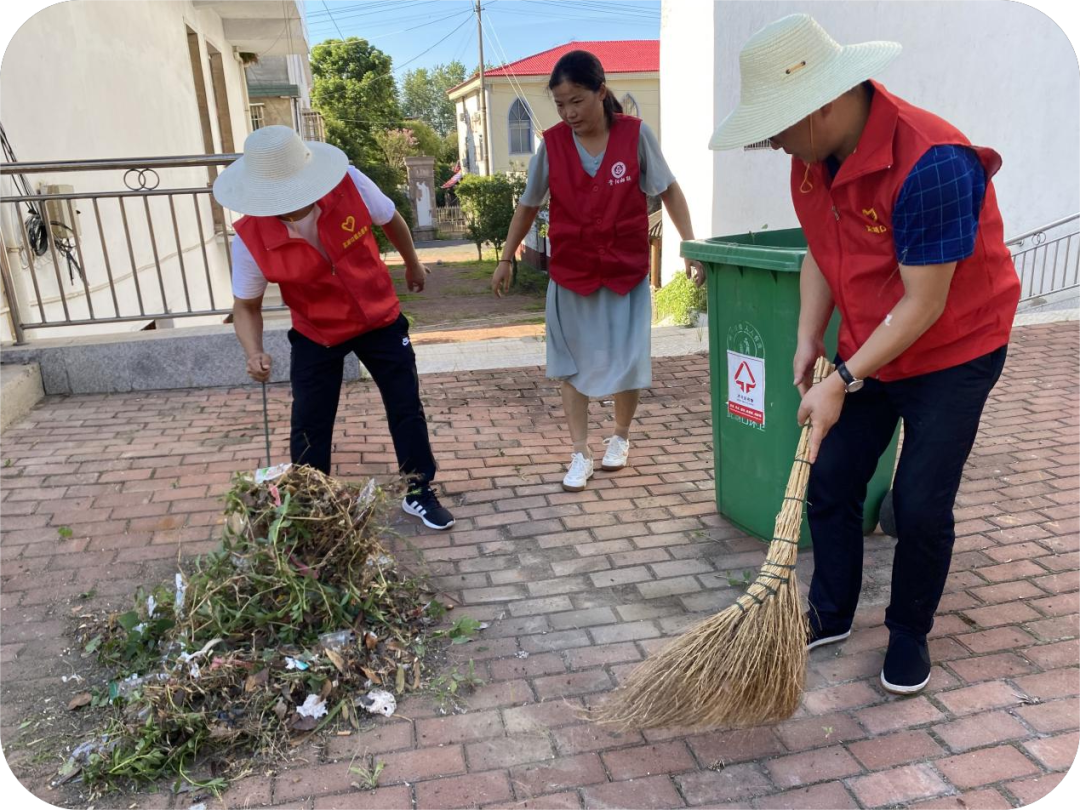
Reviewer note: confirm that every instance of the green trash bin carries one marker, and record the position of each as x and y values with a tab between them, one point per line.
753	294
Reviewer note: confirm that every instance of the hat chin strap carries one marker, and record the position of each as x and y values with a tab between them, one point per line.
807	185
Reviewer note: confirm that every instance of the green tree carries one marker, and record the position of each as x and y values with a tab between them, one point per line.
396	145
423	95
488	203
427	139
354	90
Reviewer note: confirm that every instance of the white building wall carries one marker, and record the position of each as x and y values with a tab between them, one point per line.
687	115
1001	71
118	81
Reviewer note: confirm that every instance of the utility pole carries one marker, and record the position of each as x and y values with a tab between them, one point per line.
485	141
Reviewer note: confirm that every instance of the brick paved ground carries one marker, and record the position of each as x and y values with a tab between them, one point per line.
588	584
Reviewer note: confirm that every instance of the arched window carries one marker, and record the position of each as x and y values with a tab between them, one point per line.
520	123
630	107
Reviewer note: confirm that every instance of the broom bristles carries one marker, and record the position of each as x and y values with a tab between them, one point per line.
745	665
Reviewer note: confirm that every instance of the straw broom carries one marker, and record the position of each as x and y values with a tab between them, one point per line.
744	666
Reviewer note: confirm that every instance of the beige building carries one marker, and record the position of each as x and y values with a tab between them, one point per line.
279	90
519	107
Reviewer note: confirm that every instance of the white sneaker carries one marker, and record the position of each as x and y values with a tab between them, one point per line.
618	449
581	470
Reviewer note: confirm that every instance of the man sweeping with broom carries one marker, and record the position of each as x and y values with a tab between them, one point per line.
905	238
308	227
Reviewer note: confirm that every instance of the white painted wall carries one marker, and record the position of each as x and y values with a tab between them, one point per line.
687	115
84	80
1001	71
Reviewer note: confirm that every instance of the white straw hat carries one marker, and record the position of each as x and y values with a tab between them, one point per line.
279	173
787	70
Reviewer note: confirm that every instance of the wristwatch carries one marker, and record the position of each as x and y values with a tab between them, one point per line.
851	385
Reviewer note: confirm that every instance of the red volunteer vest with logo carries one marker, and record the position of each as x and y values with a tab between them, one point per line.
599	227
848	227
330	301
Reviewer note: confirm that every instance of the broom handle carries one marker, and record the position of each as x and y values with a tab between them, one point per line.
822	369
266	424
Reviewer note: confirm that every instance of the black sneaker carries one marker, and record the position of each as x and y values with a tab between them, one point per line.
907	665
818	637
424	504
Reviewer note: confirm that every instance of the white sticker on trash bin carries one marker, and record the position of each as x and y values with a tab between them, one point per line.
746	387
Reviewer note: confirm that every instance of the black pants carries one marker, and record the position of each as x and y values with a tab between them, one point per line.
941	412
316	372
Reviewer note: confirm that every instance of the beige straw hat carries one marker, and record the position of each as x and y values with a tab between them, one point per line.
787	70
279	173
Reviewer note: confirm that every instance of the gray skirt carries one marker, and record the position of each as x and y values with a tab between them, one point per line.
600	343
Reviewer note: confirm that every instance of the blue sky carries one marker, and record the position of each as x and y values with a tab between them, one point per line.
423	33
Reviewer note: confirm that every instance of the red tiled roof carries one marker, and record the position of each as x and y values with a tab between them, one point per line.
617	56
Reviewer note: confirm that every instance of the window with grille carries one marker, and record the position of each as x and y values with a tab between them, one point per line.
630	106
521	141
258	116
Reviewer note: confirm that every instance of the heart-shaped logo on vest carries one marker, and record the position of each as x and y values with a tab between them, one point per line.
349	224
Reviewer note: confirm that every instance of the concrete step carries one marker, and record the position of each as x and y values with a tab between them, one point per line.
20	390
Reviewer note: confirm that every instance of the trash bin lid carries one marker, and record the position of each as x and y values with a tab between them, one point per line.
781	251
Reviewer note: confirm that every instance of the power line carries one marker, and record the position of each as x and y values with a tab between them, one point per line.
392	21
437	44
515	85
464	45
370	9
575	18
364	40
427	50
613	9
338	27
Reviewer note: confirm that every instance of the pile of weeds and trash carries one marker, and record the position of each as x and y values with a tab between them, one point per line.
299	620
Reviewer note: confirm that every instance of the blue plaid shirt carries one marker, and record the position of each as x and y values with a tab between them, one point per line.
937	212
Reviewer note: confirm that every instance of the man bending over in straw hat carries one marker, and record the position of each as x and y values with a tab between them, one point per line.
308	228
905	238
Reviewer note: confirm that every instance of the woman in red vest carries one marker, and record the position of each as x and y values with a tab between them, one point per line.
906	240
308	228
598	166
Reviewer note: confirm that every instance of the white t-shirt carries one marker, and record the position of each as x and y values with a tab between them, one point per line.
248	280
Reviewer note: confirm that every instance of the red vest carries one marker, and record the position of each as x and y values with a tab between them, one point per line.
848	227
333	301
599	227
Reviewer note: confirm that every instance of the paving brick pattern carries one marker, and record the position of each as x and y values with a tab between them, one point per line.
588	584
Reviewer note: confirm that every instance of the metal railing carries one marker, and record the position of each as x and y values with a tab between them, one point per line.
314	129
1047	259
451	220
123	250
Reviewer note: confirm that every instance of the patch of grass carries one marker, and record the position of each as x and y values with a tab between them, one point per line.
408	296
8	462
530	281
747	578
368	777
450	687
463	630
65	532
477	271
537	306
680	301
462	291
